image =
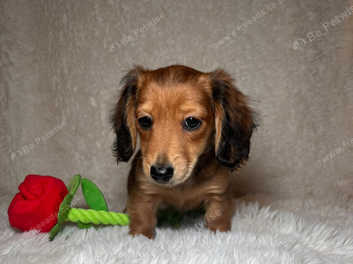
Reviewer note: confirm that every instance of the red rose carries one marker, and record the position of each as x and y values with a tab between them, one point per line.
37	204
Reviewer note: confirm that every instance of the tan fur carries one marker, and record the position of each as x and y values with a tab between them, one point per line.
131	121
219	113
169	95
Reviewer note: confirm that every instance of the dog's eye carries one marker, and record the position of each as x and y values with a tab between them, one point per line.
145	122
191	123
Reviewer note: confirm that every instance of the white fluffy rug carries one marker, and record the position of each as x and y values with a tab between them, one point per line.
284	232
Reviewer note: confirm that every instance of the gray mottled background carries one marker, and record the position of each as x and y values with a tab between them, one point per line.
61	62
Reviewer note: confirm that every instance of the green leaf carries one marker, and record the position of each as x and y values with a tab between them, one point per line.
65	206
54	231
64	209
83	225
74	184
93	196
169	216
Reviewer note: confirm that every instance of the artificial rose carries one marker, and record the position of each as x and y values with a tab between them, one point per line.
37	204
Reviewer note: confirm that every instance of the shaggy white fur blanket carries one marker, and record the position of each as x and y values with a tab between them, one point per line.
291	231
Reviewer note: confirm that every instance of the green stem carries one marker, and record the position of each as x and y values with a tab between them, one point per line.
97	217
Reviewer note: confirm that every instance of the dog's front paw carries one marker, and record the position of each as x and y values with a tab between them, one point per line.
217	221
222	226
147	232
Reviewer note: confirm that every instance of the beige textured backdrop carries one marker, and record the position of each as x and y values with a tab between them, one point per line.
61	62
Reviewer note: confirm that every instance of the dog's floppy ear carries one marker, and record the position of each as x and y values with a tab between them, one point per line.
234	121
123	117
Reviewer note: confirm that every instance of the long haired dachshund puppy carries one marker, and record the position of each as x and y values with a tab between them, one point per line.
194	128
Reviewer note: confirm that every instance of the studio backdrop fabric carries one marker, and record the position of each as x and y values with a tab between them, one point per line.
61	63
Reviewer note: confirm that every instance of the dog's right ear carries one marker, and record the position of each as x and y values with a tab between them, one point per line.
123	117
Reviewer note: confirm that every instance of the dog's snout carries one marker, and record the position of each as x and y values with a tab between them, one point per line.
161	173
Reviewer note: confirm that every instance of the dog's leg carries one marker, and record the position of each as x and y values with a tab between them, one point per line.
219	212
142	214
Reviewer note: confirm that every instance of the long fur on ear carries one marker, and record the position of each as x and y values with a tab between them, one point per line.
234	121
123	117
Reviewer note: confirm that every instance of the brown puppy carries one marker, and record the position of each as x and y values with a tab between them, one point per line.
194	128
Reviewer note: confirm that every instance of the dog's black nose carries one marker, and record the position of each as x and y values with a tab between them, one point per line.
161	173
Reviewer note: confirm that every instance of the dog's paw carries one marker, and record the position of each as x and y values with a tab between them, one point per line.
147	232
221	226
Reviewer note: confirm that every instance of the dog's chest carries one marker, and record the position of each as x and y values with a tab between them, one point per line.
183	199
191	196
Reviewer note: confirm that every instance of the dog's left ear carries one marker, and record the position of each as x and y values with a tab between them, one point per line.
234	121
123	117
